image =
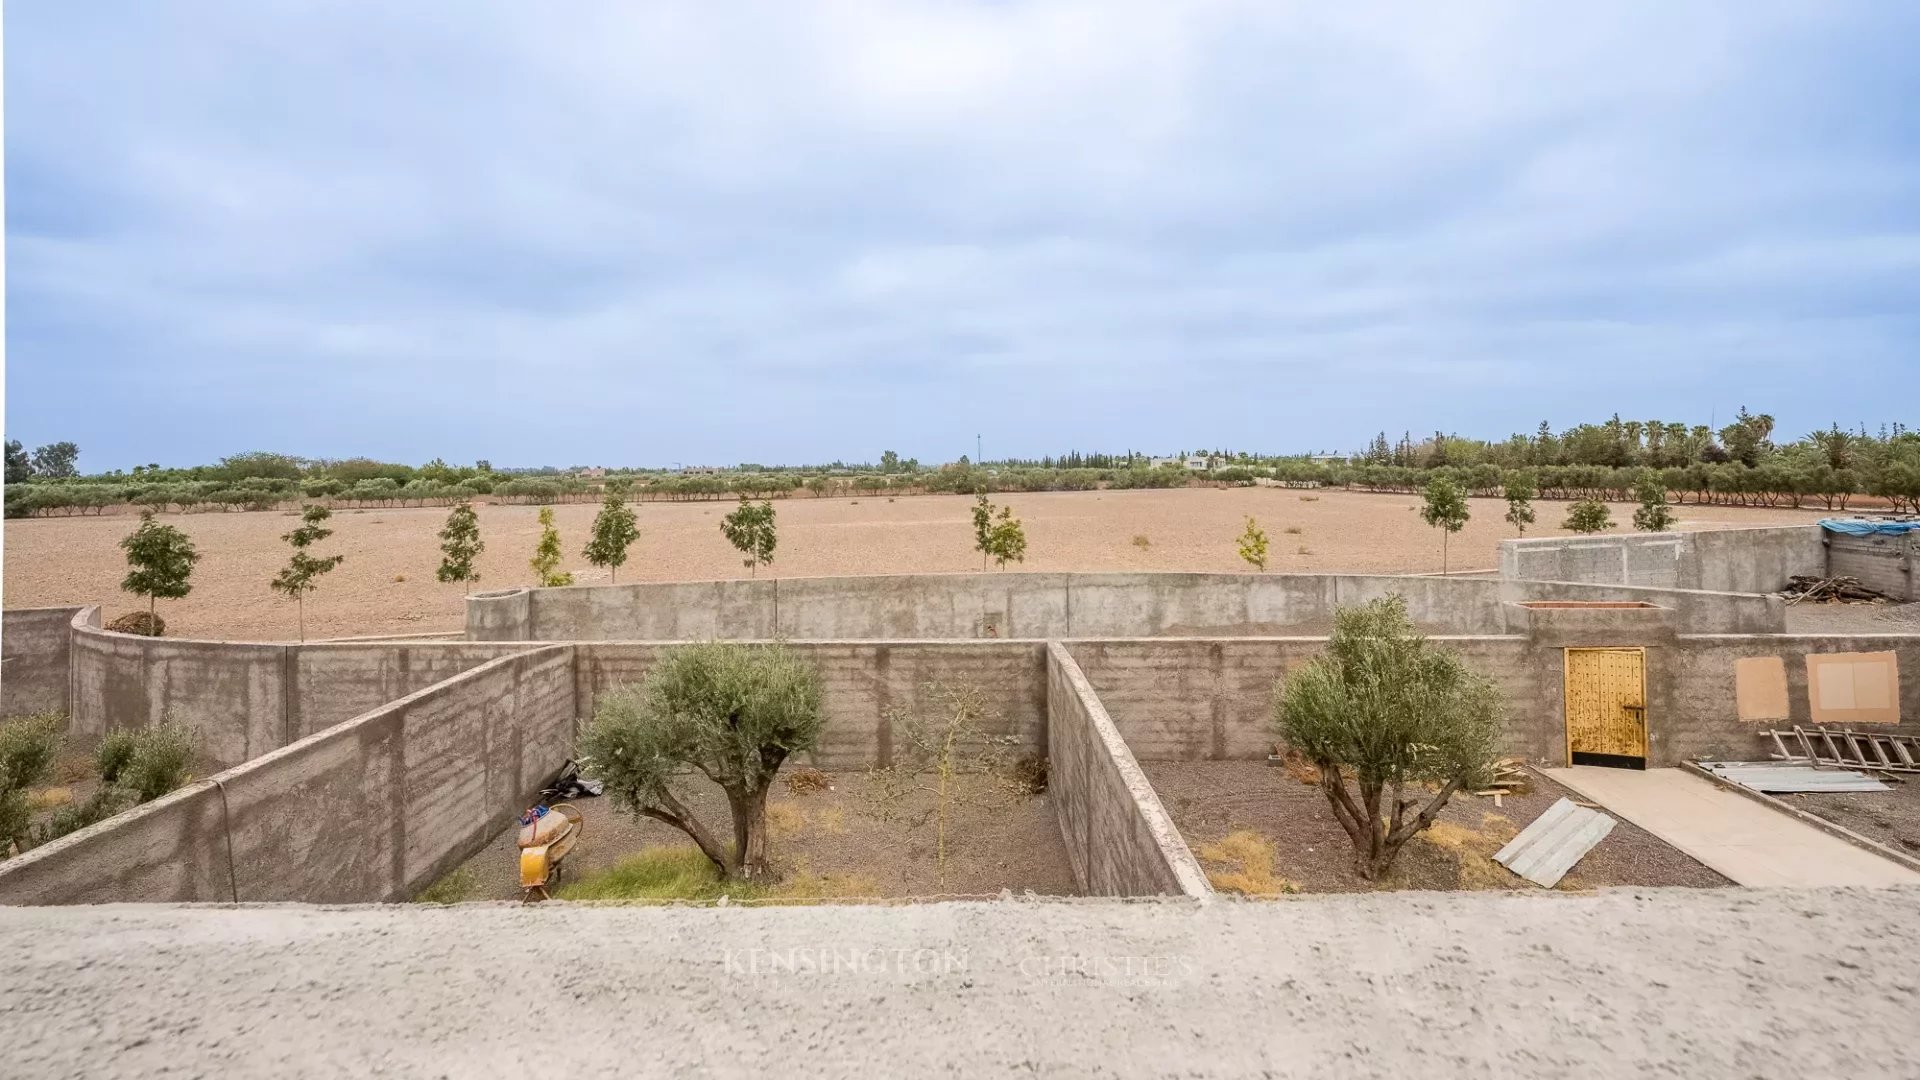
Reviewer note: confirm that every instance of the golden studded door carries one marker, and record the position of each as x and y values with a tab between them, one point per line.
1607	707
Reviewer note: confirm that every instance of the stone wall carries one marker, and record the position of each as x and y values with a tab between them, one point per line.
1119	838
369	810
34	659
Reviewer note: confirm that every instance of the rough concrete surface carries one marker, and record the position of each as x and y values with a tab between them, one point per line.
1680	982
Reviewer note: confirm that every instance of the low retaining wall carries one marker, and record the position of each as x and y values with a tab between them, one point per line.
369	810
35	650
1728	561
1119	838
243	699
868	688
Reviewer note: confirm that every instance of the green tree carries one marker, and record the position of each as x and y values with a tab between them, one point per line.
303	571
1445	509
1253	545
1588	516
160	562
1387	711
750	529
460	545
55	461
1007	539
19	465
1653	514
733	712
614	530
889	462
1520	490
982	526
546	557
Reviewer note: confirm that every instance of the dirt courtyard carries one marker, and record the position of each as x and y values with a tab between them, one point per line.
387	584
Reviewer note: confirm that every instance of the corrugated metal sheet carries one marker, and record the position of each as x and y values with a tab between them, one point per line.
1545	850
1774	777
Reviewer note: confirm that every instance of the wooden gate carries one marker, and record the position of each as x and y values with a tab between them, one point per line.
1607	707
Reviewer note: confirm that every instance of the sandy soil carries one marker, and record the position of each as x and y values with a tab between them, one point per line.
1707	984
1209	799
869	843
1888	817
387	584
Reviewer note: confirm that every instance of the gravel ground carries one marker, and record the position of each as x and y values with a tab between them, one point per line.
866	842
1209	799
387	584
1701	983
1889	817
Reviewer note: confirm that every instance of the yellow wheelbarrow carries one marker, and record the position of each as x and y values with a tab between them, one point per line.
547	834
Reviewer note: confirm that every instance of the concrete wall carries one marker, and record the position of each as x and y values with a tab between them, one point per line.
1119	838
1035	606
369	810
1194	699
870	687
242	699
34	659
1695	679
1694	610
1732	560
1890	564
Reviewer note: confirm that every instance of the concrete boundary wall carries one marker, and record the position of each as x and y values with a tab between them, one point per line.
243	699
1698	689
1725	561
1119	837
870	686
1890	564
1043	607
35	659
369	810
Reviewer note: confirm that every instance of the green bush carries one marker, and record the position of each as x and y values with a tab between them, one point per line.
159	762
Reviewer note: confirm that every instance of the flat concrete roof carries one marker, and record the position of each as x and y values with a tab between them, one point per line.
1700	983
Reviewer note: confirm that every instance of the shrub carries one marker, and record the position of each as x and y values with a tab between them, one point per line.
143	623
1588	516
734	712
1388	710
27	749
160	761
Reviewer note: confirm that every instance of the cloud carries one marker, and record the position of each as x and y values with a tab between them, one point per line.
678	231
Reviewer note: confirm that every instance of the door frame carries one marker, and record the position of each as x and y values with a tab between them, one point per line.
1610	761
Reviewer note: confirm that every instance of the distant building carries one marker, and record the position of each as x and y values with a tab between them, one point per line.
594	473
1198	464
700	470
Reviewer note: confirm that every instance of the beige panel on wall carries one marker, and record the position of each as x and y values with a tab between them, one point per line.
1854	688
1760	688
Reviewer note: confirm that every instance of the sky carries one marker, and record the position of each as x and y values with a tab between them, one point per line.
655	233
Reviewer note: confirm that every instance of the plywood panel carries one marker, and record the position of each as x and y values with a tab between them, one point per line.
1853	688
1760	688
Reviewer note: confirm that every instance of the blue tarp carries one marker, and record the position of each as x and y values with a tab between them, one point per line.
1858	527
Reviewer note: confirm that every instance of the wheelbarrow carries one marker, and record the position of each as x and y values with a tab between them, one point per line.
547	834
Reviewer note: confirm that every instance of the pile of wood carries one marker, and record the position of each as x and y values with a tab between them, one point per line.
1833	590
1510	777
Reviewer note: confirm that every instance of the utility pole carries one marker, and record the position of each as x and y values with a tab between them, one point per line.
977	458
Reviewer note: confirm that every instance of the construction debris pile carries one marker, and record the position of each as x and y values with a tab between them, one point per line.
1834	590
1509	778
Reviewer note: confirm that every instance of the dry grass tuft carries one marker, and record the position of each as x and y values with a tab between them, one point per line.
48	798
805	778
1293	530
1141	541
1472	850
784	820
1242	862
1309	498
1297	766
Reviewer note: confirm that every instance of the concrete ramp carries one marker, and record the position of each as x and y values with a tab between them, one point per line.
1735	835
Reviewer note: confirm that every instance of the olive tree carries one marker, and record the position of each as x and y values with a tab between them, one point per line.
1653	514
1588	516
460	545
750	529
1402	721
160	561
614	530
302	573
731	712
1445	509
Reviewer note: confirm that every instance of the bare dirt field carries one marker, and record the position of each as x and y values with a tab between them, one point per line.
855	839
1211	800
387	585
